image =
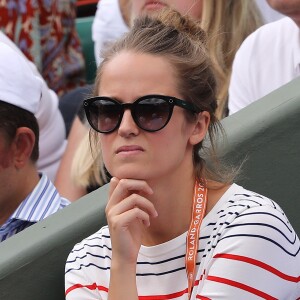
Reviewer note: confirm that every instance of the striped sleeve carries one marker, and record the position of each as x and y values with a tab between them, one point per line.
82	280
77	285
256	256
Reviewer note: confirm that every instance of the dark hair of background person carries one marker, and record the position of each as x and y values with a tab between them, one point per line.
12	118
86	8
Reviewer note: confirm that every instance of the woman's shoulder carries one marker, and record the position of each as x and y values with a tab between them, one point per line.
238	196
251	235
244	209
90	252
97	242
244	220
239	201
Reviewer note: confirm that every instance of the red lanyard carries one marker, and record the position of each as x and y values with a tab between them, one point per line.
192	239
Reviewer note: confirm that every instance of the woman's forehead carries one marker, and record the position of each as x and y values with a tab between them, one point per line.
137	74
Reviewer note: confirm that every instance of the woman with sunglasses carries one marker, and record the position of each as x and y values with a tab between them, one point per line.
229	22
177	228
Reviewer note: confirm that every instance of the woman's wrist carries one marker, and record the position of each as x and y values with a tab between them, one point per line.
122	278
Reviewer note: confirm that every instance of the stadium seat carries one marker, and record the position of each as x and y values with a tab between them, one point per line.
84	29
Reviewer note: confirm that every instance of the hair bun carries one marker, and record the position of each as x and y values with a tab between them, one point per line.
182	23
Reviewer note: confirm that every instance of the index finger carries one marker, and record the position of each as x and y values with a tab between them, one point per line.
121	189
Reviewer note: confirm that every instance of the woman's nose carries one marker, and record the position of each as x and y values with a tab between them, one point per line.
128	126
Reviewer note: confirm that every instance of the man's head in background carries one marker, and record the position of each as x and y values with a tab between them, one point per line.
20	93
290	8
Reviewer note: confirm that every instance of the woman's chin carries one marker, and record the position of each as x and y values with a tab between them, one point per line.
129	174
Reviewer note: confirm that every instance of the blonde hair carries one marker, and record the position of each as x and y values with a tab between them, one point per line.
228	23
182	42
87	168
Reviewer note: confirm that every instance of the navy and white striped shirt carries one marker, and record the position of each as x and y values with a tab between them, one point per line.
247	250
43	201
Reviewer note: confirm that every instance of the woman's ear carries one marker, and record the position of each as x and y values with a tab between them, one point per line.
200	128
22	146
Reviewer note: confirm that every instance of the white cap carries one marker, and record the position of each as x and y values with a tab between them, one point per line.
18	84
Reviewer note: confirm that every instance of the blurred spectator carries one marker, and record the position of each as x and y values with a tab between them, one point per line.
111	21
45	32
52	142
268	58
26	196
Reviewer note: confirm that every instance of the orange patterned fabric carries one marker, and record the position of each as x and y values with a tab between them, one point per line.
45	32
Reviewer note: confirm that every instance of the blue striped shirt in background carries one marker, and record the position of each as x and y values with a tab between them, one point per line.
43	201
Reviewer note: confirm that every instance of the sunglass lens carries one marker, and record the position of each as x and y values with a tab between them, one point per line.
152	114
104	115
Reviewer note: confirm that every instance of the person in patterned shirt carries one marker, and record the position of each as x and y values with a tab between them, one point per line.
45	32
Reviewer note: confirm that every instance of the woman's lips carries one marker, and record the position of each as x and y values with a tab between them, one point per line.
129	149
